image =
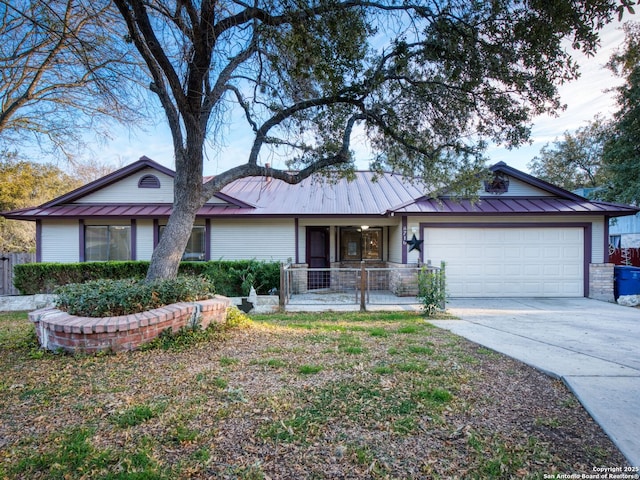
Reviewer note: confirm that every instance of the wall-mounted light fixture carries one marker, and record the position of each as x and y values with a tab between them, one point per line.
364	227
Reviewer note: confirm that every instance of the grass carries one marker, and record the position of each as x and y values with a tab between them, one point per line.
134	416
346	395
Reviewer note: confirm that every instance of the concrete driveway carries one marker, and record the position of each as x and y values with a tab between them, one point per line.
593	346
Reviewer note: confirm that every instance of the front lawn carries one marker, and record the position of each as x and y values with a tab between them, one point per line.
298	396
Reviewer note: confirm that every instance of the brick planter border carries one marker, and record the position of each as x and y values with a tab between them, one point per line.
58	330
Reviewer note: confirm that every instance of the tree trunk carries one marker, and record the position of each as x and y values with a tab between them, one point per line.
166	257
187	186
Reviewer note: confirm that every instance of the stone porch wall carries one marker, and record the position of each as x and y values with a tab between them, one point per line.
403	280
601	282
58	330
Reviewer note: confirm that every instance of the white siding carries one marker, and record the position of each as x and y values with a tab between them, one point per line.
598	241
395	243
246	239
302	244
144	239
60	241
127	191
518	188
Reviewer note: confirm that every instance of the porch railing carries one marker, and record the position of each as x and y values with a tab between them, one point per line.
301	285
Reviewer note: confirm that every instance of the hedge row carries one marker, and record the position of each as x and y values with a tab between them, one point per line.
230	278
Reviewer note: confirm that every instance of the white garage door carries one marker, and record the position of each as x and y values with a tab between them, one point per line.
509	262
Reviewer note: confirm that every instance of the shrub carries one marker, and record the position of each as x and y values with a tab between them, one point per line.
432	289
31	278
231	278
110	298
236	278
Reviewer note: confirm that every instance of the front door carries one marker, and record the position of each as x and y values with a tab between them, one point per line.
318	257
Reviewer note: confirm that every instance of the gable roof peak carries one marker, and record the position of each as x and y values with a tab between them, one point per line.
534	181
143	162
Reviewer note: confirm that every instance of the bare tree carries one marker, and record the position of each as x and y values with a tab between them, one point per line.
64	65
429	81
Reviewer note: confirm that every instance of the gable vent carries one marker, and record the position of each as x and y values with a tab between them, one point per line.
149	181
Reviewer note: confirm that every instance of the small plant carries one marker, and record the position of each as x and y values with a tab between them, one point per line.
182	434
547	422
309	369
411	329
419	349
405	425
435	395
236	319
411	367
226	361
432	289
181	340
383	370
275	363
133	416
378	332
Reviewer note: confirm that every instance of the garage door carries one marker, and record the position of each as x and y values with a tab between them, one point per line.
509	262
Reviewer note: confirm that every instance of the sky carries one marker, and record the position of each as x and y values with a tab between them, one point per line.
584	98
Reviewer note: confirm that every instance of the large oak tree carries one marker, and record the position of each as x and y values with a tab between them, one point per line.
429	82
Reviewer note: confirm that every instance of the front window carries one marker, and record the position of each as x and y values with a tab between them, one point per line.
107	242
357	243
195	250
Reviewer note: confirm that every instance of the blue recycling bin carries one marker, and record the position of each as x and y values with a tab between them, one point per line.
626	280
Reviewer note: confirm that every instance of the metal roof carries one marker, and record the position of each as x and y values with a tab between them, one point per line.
513	205
318	196
367	194
265	197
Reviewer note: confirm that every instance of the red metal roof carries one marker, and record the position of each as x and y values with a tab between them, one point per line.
389	194
514	205
260	196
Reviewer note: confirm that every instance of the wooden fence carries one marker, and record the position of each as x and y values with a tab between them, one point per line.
7	262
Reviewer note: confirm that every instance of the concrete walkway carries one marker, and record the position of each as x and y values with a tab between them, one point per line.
593	346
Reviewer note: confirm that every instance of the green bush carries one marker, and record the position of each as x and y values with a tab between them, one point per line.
109	298
236	278
432	289
231	278
31	278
